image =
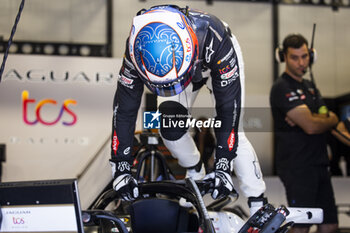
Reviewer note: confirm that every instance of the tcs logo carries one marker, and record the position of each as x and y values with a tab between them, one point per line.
225	69
188	45
18	220
26	101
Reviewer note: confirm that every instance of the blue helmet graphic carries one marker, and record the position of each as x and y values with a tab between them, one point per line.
159	59
163	47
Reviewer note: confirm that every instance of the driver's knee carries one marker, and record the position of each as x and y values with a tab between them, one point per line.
174	117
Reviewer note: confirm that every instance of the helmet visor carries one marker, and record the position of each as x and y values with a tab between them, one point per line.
173	88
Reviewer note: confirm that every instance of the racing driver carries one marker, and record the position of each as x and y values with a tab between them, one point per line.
175	51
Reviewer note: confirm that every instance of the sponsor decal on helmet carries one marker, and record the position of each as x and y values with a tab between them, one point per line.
188	45
181	25
131	49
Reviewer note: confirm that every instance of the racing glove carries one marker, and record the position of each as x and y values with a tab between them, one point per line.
124	183
223	184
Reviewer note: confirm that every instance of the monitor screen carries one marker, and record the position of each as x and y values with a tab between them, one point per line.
40	206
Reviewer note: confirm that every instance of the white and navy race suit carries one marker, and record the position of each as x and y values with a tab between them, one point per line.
221	69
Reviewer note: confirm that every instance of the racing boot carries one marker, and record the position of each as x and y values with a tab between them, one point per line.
196	172
255	203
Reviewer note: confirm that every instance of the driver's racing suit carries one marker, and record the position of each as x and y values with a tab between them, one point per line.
221	69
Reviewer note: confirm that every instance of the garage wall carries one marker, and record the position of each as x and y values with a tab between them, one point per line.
58	21
55	114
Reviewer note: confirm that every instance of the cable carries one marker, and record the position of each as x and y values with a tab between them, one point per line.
311	48
313	36
116	220
9	42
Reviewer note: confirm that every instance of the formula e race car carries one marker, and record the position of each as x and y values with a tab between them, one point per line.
158	211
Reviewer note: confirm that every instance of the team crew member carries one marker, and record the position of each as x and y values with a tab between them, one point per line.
174	52
300	122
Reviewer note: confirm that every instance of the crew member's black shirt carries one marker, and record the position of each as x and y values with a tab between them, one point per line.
295	148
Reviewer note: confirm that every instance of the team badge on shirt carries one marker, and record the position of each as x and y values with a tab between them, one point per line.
292	96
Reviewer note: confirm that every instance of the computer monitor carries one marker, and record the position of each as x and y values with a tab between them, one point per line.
41	206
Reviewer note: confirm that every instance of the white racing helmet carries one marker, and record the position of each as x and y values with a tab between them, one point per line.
164	48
